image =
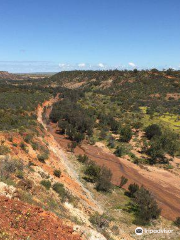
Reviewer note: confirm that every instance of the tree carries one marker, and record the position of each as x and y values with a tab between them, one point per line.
72	146
155	151
92	171
119	152
123	181
103	182
177	221
103	134
114	125
169	141
153	130
147	207
83	158
57	173
133	188
111	142
126	134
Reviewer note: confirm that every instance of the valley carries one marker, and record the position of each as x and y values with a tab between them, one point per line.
74	147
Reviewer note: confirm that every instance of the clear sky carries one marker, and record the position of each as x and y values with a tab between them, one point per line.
55	35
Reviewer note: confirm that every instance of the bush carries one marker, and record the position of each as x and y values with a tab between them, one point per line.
98	220
114	125
153	130
111	142
28	138
100	176
72	146
34	145
19	174
147	207
123	181
177	221
59	188
133	188
42	157
57	173
155	151
119	152
4	150
83	158
103	182
46	184
92	171
126	134
23	146
8	167
103	134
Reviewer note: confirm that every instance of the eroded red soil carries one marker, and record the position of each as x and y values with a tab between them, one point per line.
20	220
164	185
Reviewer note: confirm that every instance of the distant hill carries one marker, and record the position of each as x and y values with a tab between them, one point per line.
159	90
9	76
4	75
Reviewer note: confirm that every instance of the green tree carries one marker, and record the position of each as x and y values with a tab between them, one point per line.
103	182
124	180
92	172
177	221
126	134
132	189
153	130
147	207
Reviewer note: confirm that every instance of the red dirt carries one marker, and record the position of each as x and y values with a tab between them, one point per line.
164	185
20	221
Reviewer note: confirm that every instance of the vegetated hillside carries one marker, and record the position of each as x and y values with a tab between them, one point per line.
35	170
55	165
9	76
132	114
157	90
120	101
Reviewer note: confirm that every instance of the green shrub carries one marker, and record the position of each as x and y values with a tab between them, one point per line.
177	221
42	157
8	167
103	182
100	176
23	146
57	173
83	158
126	134
92	172
28	138
46	184
20	174
34	145
120	151
147	207
59	188
4	150
123	181
133	188
111	142
153	130
72	146
99	221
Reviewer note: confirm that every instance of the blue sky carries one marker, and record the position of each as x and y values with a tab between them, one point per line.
55	35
